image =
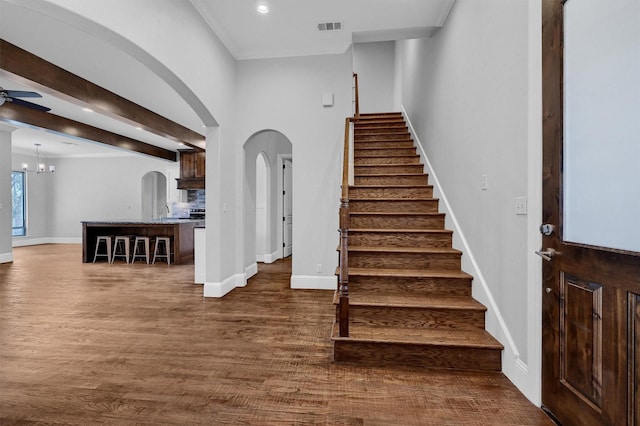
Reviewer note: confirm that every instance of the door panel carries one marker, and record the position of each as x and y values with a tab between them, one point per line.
581	338
590	308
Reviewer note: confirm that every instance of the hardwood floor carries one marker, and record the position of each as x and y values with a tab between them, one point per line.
138	344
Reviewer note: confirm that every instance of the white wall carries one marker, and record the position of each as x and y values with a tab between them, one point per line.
6	254
101	188
286	95
374	64
466	93
86	188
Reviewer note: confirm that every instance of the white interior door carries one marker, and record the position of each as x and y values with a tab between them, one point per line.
287	211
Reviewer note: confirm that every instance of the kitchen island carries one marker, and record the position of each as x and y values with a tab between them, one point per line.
179	230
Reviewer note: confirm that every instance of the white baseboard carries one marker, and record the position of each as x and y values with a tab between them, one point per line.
6	257
249	271
219	289
272	257
224	287
314	282
26	241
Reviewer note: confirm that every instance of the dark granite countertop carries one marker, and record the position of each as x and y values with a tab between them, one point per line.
167	221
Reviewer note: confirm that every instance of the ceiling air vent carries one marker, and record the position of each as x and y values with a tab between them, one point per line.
329	26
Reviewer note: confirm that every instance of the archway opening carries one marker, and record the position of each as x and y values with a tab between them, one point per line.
263	196
154	196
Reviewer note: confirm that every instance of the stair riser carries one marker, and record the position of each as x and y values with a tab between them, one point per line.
414	159
408	168
415	286
369	128
383	144
380	130
407	206
380	119
391	180
399	239
394	136
388	121
390	260
404	193
405	317
458	358
407	221
381	138
383	152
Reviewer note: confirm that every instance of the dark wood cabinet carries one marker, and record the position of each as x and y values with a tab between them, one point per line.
192	169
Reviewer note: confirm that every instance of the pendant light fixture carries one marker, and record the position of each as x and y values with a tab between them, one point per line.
40	167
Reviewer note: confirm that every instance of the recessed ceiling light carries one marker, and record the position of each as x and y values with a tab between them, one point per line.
263	8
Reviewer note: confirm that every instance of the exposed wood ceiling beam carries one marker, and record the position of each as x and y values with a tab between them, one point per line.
16	114
61	83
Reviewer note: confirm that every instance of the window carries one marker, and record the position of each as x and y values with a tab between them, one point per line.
18	197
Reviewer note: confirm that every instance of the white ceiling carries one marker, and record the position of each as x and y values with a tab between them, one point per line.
289	29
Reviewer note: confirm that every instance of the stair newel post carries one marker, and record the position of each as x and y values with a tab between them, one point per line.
343	285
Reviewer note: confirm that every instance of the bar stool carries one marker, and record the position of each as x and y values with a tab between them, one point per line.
157	253
121	247
106	240
144	254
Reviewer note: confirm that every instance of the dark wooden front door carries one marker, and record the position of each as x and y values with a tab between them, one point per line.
591	293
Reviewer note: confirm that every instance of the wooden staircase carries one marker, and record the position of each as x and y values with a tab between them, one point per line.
409	301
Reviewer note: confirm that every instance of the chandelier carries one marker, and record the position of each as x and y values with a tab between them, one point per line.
40	167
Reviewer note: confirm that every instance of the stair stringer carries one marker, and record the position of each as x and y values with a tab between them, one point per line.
512	365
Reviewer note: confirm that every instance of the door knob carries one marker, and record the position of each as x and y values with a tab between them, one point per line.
548	290
547	254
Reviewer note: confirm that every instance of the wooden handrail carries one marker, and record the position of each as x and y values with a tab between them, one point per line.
356	95
342	310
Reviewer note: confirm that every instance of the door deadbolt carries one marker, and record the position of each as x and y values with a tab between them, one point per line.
547	229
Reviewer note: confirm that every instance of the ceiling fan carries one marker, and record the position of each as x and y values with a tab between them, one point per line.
13	95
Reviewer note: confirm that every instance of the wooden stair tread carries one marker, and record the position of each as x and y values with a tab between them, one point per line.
389	165
469	338
402	230
396	213
369	156
362	144
387	249
390	186
394	199
387	174
410	273
410	301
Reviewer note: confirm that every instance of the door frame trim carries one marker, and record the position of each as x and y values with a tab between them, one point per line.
534	214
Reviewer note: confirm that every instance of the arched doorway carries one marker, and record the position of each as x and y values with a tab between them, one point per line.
263	201
154	196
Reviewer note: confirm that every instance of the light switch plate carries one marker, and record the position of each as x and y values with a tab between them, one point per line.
521	205
484	182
